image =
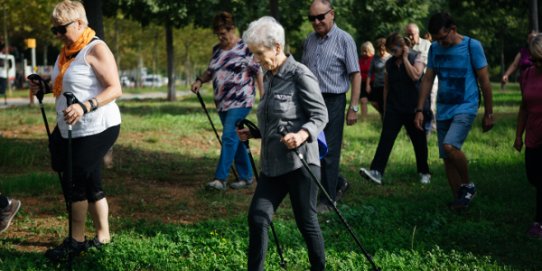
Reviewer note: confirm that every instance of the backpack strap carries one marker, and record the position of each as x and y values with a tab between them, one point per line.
474	72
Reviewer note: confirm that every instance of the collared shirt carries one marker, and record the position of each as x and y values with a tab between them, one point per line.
423	48
332	59
293	100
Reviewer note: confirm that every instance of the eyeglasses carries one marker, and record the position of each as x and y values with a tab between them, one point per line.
61	29
320	17
441	39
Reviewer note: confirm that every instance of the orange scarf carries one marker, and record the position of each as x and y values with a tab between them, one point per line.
67	55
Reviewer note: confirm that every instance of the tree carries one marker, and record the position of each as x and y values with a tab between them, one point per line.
95	16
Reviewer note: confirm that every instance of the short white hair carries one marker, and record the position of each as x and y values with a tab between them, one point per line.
265	31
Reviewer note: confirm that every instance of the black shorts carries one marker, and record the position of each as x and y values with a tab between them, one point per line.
87	155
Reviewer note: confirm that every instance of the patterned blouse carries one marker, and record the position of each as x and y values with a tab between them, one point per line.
234	76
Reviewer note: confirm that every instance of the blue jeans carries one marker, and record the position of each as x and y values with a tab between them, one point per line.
232	148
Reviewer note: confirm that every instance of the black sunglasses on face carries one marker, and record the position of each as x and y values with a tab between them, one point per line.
61	29
320	17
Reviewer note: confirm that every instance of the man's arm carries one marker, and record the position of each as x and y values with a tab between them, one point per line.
425	89
485	85
351	116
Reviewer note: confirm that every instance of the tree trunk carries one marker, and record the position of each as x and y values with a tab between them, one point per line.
274	9
534	16
95	16
170	63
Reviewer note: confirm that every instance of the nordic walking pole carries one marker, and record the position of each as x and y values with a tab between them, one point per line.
283	131
68	174
252	127
44	88
214	129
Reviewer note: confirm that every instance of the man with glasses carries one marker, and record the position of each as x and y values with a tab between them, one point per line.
460	64
331	54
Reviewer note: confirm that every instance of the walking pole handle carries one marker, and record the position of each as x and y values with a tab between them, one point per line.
44	87
70	98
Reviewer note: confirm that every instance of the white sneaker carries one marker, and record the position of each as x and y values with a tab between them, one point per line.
371	174
425	178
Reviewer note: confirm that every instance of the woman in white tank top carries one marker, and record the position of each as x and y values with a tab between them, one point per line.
85	67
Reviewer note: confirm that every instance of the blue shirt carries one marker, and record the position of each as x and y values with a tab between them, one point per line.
331	59
458	88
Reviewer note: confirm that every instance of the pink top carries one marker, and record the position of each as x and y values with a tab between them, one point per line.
532	99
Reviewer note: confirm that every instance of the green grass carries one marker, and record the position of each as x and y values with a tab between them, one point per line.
405	225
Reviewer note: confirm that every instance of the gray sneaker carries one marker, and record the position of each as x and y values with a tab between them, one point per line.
425	178
8	213
371	174
217	184
240	184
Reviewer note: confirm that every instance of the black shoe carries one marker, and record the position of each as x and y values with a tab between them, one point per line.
342	190
323	208
95	243
466	194
68	247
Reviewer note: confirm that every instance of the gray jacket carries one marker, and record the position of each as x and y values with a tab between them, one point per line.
291	99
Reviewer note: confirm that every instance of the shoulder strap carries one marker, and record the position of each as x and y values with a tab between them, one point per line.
471	62
474	72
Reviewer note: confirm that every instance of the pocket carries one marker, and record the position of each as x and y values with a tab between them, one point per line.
282	102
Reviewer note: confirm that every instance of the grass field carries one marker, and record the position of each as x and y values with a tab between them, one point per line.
162	218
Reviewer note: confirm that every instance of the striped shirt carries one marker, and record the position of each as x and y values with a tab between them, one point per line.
332	59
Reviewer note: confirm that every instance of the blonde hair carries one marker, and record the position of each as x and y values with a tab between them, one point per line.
69	11
536	47
369	47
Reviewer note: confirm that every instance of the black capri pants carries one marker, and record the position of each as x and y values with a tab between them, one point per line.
87	155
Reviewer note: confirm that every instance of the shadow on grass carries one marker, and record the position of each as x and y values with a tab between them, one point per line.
153	192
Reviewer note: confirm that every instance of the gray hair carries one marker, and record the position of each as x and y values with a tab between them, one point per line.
265	31
536	47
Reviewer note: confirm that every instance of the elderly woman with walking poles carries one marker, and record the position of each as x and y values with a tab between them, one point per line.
87	125
291	99
235	76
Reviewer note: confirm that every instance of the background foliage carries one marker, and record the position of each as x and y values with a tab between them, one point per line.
135	28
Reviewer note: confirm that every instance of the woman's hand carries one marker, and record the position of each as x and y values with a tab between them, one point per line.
73	113
294	140
418	120
518	144
405	51
196	86
243	134
34	86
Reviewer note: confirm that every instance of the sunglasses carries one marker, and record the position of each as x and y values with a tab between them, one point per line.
61	29
320	17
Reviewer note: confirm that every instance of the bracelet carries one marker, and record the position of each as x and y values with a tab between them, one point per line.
83	107
93	106
199	79
418	110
